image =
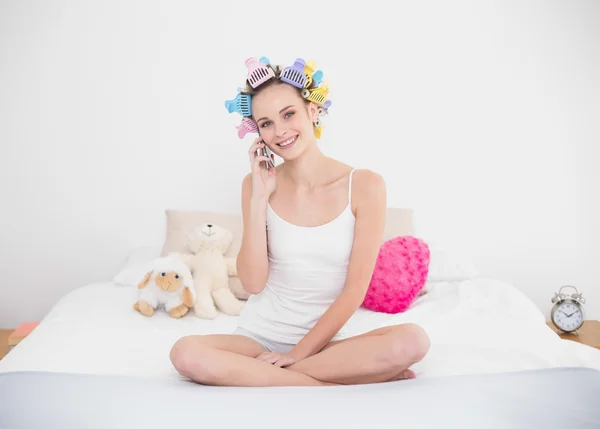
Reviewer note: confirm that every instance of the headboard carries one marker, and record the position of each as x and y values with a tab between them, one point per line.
399	221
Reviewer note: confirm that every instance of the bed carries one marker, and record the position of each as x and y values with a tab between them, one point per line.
94	362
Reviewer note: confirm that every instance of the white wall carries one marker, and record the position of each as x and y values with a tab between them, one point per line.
482	116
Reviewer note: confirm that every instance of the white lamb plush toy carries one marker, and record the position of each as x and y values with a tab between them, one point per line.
211	270
170	285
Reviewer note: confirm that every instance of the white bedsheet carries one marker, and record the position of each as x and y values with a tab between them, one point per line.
475	326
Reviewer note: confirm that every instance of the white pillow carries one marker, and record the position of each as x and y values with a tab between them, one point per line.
137	265
447	265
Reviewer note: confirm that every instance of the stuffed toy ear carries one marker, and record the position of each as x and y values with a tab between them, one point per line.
145	281
188	282
189	292
194	240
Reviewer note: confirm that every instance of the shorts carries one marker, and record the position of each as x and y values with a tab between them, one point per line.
270	345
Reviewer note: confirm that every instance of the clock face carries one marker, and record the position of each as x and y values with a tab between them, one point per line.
568	317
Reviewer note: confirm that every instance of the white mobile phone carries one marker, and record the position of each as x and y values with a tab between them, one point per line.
265	151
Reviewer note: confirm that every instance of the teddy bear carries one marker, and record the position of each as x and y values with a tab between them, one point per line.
214	274
168	284
235	285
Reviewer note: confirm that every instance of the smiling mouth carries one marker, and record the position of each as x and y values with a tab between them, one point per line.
288	142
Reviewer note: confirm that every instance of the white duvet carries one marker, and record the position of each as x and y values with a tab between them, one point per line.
475	326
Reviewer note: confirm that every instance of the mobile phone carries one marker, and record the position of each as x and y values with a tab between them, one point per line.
265	151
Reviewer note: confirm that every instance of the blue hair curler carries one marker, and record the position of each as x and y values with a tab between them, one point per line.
317	77
241	104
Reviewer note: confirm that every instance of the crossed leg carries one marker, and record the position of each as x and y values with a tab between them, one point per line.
380	355
384	354
230	360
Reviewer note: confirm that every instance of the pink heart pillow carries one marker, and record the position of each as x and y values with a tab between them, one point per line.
399	275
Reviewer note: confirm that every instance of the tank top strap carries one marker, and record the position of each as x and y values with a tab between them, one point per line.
350	187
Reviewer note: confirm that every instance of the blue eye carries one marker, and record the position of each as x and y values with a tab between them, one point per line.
267	123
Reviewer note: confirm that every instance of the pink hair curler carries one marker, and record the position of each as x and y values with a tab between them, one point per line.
258	72
248	125
294	75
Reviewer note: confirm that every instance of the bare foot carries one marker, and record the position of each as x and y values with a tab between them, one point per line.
324	383
404	375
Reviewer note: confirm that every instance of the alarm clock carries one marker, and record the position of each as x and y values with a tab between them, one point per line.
567	312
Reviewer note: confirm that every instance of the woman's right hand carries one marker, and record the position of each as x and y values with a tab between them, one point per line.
263	178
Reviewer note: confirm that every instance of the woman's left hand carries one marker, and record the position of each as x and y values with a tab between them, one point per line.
278	359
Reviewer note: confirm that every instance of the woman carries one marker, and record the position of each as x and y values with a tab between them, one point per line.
308	270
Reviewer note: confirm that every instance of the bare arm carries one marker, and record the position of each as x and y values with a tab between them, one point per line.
369	196
252	262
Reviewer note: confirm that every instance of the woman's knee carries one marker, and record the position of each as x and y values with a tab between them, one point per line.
191	358
181	353
409	343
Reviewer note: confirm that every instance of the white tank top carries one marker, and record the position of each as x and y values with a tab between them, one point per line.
308	267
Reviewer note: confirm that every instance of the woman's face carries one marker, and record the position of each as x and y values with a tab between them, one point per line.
285	121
